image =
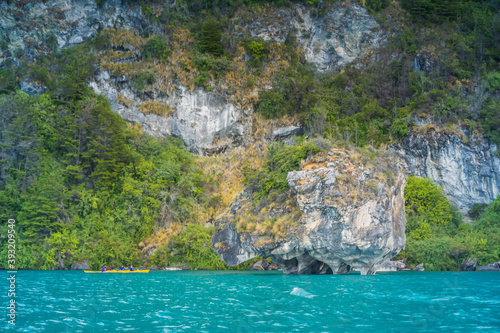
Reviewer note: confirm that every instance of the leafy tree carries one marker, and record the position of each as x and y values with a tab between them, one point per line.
477	210
422	197
8	80
155	47
210	37
39	215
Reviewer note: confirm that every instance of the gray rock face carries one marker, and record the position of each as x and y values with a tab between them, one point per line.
80	265
419	268
32	88
393	266
200	118
469	173
469	265
206	122
263	265
347	32
285	133
37	27
350	220
494	267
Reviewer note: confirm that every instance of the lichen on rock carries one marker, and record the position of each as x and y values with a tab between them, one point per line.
344	211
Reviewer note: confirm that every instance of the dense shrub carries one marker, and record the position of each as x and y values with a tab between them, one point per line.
144	79
155	47
423	198
376	5
445	246
293	92
432	10
210	37
257	49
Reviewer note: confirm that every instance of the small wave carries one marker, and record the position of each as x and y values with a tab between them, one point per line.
301	293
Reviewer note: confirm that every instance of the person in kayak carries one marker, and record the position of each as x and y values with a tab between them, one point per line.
103	269
132	268
122	268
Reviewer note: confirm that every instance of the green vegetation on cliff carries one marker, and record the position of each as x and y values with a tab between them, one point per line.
84	184
80	183
446	70
436	234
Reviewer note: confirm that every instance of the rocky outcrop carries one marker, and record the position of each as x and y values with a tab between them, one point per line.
423	62
494	267
419	268
351	217
469	265
205	121
80	265
30	29
469	173
286	133
263	265
342	34
393	266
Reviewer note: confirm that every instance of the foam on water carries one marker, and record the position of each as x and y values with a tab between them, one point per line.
301	293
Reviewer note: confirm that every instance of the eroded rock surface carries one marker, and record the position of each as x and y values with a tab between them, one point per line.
203	120
393	266
345	33
35	28
494	267
263	265
469	265
350	217
419	268
469	173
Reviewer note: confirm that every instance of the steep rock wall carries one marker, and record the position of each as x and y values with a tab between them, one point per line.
206	122
203	120
469	173
345	33
36	28
351	217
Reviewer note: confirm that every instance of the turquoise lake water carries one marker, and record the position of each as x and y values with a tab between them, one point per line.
201	301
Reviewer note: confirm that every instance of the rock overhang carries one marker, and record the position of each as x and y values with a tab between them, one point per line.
347	222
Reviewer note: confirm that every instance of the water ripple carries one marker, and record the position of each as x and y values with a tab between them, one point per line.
58	301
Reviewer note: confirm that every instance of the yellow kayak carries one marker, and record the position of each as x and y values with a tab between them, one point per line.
124	271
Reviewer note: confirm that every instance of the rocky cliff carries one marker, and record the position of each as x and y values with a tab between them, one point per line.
203	120
207	122
30	28
344	211
344	33
464	165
